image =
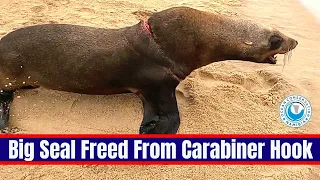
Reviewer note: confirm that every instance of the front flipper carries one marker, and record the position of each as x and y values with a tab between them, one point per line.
5	101
161	115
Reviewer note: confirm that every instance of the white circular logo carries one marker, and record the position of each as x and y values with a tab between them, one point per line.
295	111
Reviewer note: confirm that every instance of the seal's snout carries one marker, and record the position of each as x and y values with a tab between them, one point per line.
286	48
288	45
279	44
295	43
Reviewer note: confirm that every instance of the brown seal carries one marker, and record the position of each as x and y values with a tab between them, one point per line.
149	58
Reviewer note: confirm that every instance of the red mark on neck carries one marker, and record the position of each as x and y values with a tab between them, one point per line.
146	26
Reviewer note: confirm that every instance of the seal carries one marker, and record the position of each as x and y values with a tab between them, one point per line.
148	59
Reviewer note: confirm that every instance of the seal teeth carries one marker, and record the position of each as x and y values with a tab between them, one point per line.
272	60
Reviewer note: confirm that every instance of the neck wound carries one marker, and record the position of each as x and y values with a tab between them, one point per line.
146	27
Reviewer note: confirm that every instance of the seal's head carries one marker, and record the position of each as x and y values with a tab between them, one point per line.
255	42
194	38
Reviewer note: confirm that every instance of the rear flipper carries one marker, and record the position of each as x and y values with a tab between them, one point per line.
5	101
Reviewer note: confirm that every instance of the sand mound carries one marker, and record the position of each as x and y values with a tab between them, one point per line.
233	97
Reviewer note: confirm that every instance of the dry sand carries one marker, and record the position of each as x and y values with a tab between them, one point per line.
225	97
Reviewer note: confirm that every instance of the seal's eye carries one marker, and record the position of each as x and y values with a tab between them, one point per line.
275	42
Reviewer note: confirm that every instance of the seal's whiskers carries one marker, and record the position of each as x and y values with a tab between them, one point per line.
289	55
286	58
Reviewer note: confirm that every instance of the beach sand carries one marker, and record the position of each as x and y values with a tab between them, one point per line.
224	97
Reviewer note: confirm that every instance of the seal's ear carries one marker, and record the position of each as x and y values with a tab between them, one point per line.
248	43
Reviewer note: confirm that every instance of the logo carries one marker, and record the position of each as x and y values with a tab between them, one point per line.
295	111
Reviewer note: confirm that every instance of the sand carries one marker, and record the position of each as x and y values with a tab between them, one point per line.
224	97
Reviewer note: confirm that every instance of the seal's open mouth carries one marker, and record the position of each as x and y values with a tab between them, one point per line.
285	49
272	59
